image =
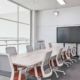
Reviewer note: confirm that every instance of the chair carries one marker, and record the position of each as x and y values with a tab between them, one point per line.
50	45
7	70
44	70
29	48
66	57
43	46
12	51
73	53
57	62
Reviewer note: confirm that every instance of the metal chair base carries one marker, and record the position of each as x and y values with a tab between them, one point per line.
56	70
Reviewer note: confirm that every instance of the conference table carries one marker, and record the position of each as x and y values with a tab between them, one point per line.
32	58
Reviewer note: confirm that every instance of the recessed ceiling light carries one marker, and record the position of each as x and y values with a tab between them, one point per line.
61	2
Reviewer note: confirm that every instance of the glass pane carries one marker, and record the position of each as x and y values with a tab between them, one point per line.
8	29
24	15
2	49
2	42
12	42
28	42
8	10
22	48
24	31
22	42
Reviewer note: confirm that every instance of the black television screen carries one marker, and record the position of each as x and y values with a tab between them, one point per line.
68	34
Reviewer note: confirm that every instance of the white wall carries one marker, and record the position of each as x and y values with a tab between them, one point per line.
47	22
67	16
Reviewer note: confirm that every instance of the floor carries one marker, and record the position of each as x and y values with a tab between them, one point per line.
72	73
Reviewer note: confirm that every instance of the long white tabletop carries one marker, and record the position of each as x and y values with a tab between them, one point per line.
28	59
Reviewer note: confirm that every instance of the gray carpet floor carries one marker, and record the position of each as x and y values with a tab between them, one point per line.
72	73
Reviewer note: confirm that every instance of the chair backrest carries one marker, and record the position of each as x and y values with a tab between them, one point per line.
74	51
58	58
68	51
11	50
29	48
6	67
50	45
45	66
43	46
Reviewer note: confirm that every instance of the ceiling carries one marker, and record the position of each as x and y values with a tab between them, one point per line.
46	4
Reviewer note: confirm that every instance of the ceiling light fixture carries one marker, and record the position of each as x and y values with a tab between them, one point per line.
61	2
56	12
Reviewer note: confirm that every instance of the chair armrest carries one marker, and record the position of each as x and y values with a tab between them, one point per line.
21	68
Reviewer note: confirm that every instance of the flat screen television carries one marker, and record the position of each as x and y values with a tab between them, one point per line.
68	34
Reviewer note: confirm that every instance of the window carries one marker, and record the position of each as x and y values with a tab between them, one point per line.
10	21
24	15
24	31
8	10
8	29
24	28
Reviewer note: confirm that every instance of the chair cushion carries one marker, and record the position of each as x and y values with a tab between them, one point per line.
32	71
65	56
16	75
61	57
15	67
70	54
54	62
